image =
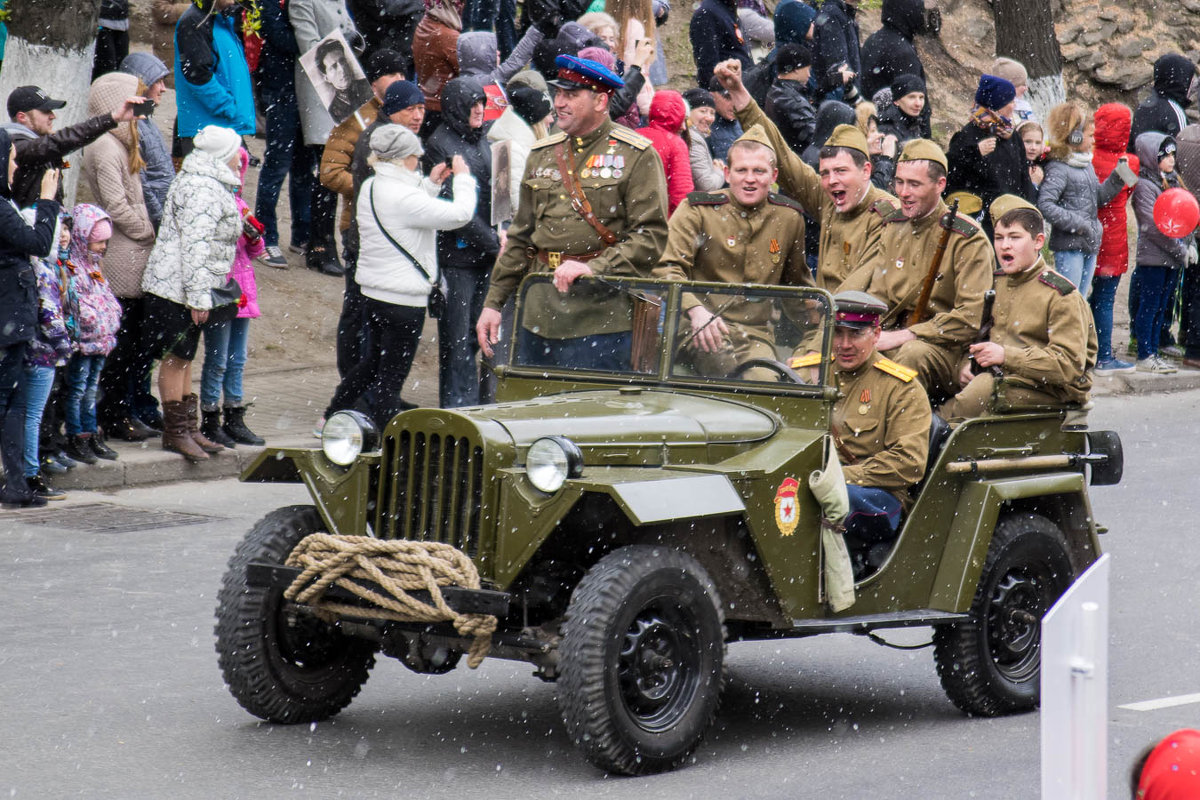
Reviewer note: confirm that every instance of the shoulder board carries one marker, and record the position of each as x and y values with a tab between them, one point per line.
963	226
886	207
810	360
1057	282
895	370
787	202
623	134
549	140
707	198
895	215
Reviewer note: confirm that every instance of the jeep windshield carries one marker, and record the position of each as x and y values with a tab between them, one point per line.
675	332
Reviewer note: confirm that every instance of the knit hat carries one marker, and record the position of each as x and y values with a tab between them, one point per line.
923	150
393	142
401	95
906	83
698	98
1011	70
792	20
994	93
149	68
220	143
384	62
793	56
1167	147
102	231
529	104
848	136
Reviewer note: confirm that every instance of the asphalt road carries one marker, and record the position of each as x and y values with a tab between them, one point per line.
109	685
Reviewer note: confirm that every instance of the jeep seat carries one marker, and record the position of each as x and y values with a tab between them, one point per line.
939	434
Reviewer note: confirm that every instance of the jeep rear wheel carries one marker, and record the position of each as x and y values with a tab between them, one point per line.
280	664
991	664
641	660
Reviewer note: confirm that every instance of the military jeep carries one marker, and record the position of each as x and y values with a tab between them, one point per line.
628	524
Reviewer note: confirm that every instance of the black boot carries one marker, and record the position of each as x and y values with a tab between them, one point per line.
80	449
235	427
42	489
101	449
126	429
322	259
210	426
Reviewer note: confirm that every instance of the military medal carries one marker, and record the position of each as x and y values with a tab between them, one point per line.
605	172
618	166
731	241
585	173
899	263
865	400
617	173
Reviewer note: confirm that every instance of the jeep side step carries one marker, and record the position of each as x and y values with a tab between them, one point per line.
915	618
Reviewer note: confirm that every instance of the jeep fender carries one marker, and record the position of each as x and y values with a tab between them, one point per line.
1060	496
340	494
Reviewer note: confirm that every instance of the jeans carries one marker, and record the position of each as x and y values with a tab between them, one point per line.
1154	295
610	352
225	345
458	346
12	420
38	381
1104	293
1077	267
396	332
285	157
874	514
83	379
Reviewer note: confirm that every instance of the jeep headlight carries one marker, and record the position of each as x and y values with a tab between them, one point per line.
550	461
345	435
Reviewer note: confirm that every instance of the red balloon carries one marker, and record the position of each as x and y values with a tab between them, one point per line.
1176	213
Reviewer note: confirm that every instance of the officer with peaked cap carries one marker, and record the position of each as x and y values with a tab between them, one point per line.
895	273
841	197
880	423
592	203
743	234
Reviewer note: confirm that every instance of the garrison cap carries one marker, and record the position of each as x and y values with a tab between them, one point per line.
756	134
923	150
857	310
1009	202
583	73
849	136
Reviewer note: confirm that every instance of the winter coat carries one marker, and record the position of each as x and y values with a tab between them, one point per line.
724	133
895	122
164	15
410	210
667	113
716	36
511	128
1154	248
160	170
1005	171
119	193
789	107
19	241
889	52
312	21
212	80
276	73
337	159
36	154
1069	198
705	175
1163	109
198	237
246	251
93	306
386	24
835	42
52	345
435	49
476	244
1112	134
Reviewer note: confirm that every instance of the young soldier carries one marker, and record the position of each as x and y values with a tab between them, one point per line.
743	234
880	421
1042	344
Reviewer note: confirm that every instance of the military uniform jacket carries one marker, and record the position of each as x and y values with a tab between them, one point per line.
1045	327
847	239
895	270
881	420
630	200
713	237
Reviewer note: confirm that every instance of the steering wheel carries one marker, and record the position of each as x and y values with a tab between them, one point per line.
780	368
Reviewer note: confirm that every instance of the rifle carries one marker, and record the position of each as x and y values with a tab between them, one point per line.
986	322
921	309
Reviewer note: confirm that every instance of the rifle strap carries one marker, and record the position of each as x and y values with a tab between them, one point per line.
579	201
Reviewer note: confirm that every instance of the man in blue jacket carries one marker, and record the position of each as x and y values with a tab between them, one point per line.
212	80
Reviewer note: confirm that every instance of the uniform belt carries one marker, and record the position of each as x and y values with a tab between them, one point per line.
555	257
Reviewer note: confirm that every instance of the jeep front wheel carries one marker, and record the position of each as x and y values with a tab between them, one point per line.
991	664
641	660
282	664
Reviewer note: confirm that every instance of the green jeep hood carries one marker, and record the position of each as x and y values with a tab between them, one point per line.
645	417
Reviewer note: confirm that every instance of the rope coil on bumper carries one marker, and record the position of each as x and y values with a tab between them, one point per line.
398	567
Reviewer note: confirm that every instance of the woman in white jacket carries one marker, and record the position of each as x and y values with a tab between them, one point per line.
398	203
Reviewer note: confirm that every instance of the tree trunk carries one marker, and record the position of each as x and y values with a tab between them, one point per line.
50	44
1025	32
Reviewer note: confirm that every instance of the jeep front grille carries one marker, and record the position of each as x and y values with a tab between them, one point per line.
431	490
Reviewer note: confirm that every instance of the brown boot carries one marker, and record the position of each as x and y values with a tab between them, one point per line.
192	402
175	435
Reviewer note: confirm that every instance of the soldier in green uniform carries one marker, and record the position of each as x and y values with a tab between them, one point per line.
880	421
743	234
895	272
593	202
849	208
1042	344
